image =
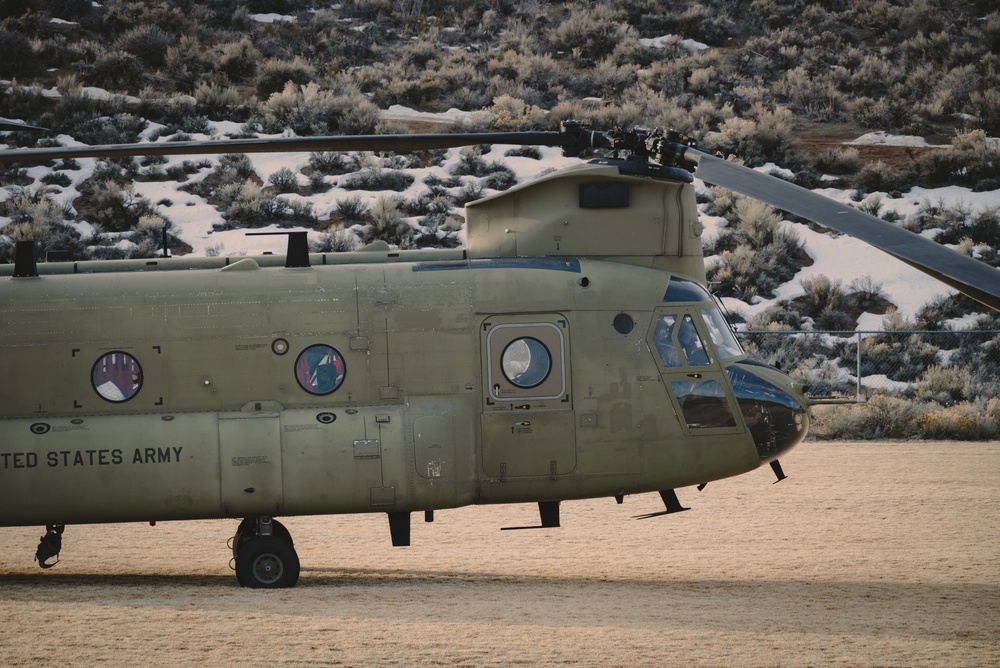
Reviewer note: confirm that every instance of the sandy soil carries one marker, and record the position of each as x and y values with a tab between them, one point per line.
881	554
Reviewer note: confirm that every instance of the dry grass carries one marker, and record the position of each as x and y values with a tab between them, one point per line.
869	554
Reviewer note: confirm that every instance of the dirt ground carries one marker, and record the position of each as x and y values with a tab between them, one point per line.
869	554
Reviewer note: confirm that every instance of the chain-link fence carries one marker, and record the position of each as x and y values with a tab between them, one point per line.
943	366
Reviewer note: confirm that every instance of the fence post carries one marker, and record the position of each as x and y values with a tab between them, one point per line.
857	375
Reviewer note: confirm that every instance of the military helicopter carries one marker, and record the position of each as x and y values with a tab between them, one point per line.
571	350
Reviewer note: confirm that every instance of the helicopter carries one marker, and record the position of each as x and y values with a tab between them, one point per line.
570	350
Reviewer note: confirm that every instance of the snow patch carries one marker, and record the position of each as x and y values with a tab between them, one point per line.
663	40
886	139
272	18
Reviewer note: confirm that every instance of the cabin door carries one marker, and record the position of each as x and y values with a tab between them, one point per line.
528	424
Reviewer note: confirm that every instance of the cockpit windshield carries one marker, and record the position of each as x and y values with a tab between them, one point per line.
688	292
726	344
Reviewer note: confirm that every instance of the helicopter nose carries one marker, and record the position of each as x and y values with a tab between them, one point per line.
773	408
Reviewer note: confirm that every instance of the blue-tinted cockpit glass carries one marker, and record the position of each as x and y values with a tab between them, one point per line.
685	290
749	387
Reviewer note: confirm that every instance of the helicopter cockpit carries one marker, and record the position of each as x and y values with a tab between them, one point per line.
711	381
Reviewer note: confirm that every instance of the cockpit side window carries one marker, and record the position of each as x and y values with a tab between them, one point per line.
663	339
691	343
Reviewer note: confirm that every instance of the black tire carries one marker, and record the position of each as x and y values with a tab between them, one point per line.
248	527
267	563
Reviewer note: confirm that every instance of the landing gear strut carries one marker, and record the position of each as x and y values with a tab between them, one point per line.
264	555
50	545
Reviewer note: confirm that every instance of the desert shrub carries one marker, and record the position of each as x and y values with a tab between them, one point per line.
149	43
188	62
936	312
310	110
117	71
777	317
771	344
318	183
284	180
235	167
111	205
333	162
899	357
439	230
24	102
387	224
353	209
357	115
971	160
275	75
181	171
966	421
57	179
880	177
36	207
470	162
893	112
469	193
148	236
430	203
14	176
119	129
867	294
299	211
755	253
591	33
251	207
838	161
979	354
822	295
232	171
17	57
539	72
213	99
957	223
765	137
239	61
745	273
881	417
822	377
985	104
53	235
374	178
339	241
511	114
501	177
943	385
532	152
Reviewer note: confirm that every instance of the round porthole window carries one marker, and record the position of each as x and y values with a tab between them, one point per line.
320	369
526	362
623	323
116	377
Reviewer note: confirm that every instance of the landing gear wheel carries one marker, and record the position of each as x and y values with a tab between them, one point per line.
248	529
267	563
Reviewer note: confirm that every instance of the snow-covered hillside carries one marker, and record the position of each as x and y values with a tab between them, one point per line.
198	223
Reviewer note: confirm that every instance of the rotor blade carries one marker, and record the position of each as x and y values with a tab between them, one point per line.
971	277
400	143
8	124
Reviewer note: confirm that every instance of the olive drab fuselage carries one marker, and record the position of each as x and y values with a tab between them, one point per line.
525	367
